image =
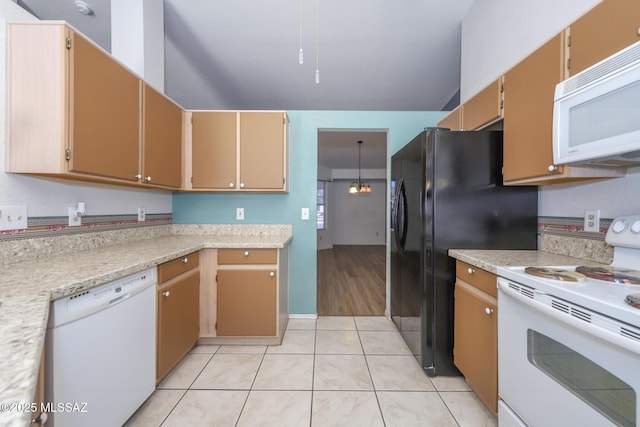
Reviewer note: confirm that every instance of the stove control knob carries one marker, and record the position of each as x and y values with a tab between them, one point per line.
618	226
635	227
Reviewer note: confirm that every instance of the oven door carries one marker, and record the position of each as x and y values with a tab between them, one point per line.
555	368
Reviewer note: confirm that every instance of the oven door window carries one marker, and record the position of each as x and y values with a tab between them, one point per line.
598	387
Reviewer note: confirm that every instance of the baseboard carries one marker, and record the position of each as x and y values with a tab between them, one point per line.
303	316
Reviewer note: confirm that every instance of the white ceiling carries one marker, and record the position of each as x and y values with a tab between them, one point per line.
379	55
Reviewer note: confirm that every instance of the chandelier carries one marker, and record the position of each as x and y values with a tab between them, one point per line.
359	186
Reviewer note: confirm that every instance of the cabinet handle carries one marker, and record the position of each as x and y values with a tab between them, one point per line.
552	168
488	311
231	185
272	274
185	260
41	420
166	294
242	185
246	253
470	270
147	178
138	176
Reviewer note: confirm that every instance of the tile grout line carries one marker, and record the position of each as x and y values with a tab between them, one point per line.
244	404
188	387
373	386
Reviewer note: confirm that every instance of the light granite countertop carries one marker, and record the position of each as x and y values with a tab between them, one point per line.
28	287
490	260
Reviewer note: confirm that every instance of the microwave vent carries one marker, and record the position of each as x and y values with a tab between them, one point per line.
627	57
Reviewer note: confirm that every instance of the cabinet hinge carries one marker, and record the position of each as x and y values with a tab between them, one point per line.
215	326
501	104
67	154
569	41
68	42
284	121
192	180
501	87
568	63
216	278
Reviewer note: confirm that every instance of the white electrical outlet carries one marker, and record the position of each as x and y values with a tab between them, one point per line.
13	217
74	218
592	220
141	214
304	214
240	214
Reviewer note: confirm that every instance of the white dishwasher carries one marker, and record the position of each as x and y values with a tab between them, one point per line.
101	353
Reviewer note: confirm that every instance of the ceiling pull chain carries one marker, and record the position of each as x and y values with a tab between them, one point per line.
317	55
300	52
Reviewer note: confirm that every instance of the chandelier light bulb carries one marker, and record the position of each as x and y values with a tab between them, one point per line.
317	76
301	57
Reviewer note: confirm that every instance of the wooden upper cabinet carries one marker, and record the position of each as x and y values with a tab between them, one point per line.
213	146
485	108
262	150
528	110
162	140
72	111
105	113
607	28
75	112
236	151
453	120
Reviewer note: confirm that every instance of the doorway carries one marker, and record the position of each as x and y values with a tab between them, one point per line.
352	228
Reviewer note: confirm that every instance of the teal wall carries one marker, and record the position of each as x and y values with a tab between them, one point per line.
211	208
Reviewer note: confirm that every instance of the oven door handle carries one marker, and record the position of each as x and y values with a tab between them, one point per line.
586	327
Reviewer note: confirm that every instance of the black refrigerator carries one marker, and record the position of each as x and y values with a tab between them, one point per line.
447	193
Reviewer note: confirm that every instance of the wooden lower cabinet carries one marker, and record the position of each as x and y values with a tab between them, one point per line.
247	302
475	350
244	296
178	320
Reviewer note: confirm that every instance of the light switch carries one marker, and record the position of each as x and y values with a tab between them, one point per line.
240	214
304	214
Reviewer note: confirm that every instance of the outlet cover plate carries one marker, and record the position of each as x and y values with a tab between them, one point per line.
240	214
592	220
13	217
141	214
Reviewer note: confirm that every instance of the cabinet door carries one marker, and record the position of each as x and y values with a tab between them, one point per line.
178	321
214	146
607	28
262	150
528	112
453	120
105	114
476	341
247	303
162	140
484	108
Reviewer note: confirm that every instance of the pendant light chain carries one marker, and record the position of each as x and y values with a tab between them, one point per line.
317	53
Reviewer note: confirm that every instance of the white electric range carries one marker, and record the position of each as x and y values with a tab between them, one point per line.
569	339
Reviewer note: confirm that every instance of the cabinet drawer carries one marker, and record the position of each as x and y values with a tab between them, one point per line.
171	269
247	256
478	277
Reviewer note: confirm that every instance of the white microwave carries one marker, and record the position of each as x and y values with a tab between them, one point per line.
596	113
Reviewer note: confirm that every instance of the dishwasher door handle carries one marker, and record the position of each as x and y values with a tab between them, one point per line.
119	299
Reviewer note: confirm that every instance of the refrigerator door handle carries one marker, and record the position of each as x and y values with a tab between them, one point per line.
403	231
396	212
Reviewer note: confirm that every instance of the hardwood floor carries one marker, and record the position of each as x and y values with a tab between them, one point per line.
351	280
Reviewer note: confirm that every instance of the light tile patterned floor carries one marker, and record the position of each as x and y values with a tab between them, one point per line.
336	371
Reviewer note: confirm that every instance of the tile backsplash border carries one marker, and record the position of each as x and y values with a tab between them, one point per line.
566	236
52	236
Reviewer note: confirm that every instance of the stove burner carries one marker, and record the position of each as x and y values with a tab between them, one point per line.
556	274
611	274
633	300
